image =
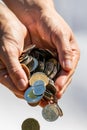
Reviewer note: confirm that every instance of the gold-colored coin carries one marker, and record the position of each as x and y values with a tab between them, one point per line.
39	76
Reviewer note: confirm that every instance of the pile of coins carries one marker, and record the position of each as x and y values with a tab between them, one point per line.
43	68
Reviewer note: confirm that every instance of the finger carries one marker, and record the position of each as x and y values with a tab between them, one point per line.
6	80
63	79
61	92
15	70
62	42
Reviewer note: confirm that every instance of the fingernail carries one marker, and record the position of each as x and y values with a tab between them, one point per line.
21	84
68	64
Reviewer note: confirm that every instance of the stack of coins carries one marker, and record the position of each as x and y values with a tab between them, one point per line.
44	68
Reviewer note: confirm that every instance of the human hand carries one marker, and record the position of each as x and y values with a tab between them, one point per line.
48	30
12	36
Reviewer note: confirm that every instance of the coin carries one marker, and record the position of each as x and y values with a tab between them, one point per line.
52	54
25	68
50	112
41	66
39	76
32	65
49	66
23	58
39	87
48	96
51	87
30	124
30	97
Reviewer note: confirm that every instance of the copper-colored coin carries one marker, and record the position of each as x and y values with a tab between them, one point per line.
25	68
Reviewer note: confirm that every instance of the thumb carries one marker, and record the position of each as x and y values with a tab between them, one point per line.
65	54
16	73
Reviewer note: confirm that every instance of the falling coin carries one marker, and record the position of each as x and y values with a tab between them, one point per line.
39	76
39	87
50	112
30	124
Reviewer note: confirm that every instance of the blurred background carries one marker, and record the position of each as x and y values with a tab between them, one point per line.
14	111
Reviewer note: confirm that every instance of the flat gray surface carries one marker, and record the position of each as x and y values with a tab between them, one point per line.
14	111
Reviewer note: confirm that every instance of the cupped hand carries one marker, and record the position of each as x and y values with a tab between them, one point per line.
47	29
12	37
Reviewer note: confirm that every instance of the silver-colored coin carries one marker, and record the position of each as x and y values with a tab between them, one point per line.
39	87
49	66
48	96
41	66
54	73
50	112
33	64
51	87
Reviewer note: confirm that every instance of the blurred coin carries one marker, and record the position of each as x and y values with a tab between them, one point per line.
34	53
50	53
54	73
50	112
41	66
25	68
48	96
39	87
30	97
30	124
51	87
23	58
39	76
49	66
29	49
33	64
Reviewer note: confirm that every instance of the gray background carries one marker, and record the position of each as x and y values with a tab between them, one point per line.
14	111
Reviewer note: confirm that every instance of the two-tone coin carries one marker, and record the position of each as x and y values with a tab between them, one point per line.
50	112
39	87
30	97
30	124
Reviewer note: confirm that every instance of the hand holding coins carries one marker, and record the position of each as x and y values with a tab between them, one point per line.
44	68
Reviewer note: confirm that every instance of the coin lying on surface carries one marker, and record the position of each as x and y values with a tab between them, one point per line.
30	124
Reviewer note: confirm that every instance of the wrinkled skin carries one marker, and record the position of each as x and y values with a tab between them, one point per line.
40	25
